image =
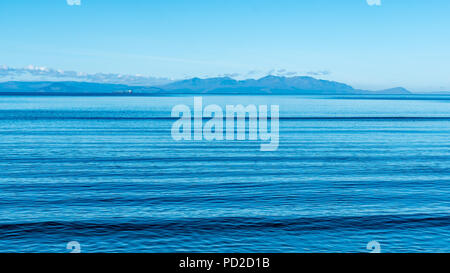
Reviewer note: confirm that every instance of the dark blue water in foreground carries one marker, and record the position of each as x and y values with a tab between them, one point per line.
104	171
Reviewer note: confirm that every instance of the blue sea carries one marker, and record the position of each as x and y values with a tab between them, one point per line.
106	173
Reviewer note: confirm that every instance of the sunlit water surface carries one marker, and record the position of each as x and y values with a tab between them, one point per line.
105	171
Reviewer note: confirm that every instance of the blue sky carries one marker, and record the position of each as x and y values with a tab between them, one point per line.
396	43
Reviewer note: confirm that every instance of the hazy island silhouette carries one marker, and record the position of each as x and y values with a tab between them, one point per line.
268	85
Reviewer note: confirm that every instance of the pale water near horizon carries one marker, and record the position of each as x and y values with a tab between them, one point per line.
105	171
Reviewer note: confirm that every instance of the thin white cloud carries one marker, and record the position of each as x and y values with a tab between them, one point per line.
39	73
74	2
319	73
256	74
374	2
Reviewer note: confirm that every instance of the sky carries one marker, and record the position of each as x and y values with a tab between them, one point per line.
371	44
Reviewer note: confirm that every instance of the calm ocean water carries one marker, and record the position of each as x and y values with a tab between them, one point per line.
104	171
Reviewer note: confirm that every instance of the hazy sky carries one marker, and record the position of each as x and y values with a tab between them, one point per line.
388	43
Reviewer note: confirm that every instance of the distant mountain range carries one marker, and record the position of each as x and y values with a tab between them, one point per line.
269	85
